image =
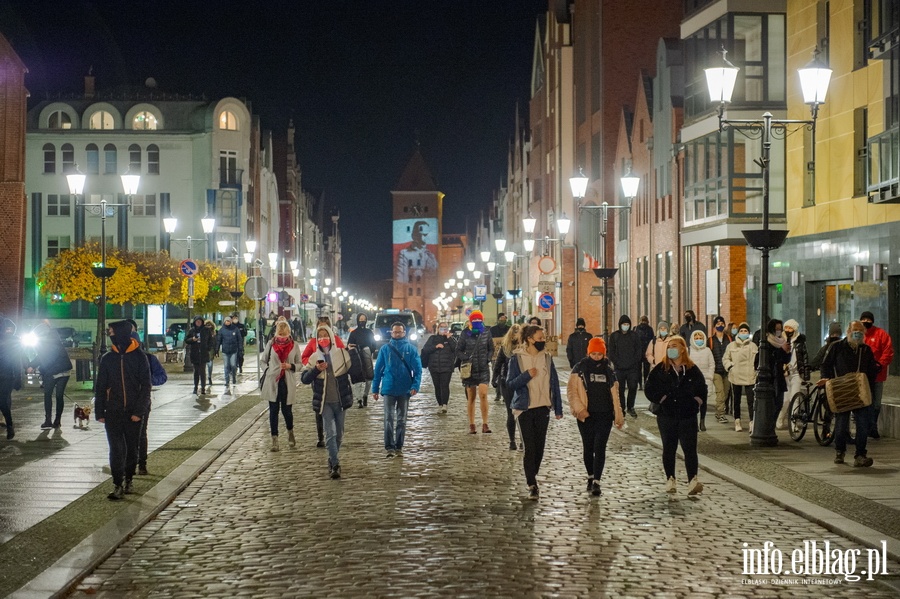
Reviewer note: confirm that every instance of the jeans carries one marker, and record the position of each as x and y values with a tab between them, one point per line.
793	387
333	421
199	377
674	430
230	361
142	441
595	432
287	410
737	400
631	376
533	424
209	366
842	430
720	382
122	435
441	382
59	386
395	409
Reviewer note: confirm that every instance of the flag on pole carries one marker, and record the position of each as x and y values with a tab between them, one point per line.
590	262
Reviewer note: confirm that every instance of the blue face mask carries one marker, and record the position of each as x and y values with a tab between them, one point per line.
734	331
672	353
744	336
478	326
858	336
698	342
663	333
626	328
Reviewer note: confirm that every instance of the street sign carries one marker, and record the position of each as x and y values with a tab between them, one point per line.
188	268
256	288
304	297
546	286
226	302
546	265
480	293
546	301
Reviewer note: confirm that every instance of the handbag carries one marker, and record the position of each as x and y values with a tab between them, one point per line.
849	391
654	408
465	370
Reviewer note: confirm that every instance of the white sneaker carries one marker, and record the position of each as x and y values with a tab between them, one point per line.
737	425
695	487
751	427
670	485
274	442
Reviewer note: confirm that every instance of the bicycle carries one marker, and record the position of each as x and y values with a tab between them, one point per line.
811	405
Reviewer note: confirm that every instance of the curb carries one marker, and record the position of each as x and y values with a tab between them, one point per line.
59	579
816	514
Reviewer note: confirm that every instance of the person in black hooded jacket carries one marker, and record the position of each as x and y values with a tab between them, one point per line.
121	398
56	368
10	371
439	356
626	352
201	342
363	339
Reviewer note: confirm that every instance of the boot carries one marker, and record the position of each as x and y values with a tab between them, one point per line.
703	424
365	400
737	425
291	441
274	442
360	403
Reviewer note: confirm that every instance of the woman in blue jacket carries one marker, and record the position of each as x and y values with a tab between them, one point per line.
532	378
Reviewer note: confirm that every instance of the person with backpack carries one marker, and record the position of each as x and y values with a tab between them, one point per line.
363	339
398	376
158	377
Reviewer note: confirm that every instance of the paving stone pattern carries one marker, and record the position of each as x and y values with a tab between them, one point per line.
450	518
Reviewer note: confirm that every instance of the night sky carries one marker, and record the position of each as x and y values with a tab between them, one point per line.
362	80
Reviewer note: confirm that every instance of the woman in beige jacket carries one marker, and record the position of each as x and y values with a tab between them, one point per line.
656	349
740	363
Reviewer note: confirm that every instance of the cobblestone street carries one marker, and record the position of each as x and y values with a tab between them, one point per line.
450	518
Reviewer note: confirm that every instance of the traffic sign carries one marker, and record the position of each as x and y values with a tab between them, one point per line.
480	293
546	301
188	268
256	288
304	297
546	286
546	265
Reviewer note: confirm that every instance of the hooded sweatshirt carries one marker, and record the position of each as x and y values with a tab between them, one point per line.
656	349
625	348
123	378
331	385
702	356
362	336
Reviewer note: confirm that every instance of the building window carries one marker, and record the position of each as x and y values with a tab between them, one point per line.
59	205
647	286
228	121
134	159
68	158
228	170
639	280
57	245
153	159
49	159
227	209
143	205
624	287
660	310
144	244
144	121
686	280
96	198
101	120
92	152
110	240
670	286
110	156
59	120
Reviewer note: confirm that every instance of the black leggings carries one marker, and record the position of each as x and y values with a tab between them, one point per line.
674	430
287	410
441	381
595	432
59	386
510	417
736	402
534	423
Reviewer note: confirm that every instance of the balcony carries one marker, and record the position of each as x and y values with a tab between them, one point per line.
884	167
231	178
884	21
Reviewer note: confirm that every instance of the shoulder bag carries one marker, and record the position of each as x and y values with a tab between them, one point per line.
849	391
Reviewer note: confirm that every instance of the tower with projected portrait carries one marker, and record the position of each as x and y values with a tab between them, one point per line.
417	239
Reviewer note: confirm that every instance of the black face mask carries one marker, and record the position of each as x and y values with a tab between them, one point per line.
868	325
687	318
539	345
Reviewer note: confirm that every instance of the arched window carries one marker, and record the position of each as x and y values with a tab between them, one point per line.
228	121
68	158
93	159
153	159
49	159
134	159
60	120
111	159
144	121
101	120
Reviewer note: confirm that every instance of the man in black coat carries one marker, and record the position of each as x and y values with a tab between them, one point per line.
626	353
576	345
200	343
363	339
647	335
121	398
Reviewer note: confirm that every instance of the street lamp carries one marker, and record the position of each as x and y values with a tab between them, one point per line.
470	266
528	223
500	244
75	182
528	244
485	256
562	225
814	79
460	274
579	184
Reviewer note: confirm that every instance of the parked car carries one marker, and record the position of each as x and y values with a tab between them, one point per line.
67	336
176	332
456	329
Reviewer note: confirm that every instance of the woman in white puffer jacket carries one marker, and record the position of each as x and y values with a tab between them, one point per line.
702	356
740	363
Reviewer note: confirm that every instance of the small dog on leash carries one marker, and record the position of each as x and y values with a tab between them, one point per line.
82	416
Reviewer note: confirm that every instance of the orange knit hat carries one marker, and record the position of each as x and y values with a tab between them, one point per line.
596	344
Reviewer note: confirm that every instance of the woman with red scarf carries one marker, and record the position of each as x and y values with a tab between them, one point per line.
281	364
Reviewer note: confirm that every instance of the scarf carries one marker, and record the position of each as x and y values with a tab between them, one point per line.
282	347
775	341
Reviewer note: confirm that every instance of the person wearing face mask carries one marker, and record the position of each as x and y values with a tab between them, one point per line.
304	358
797	369
476	347
656	349
779	346
678	387
718	342
282	362
835	334
594	401
230	343
740	364
498	378
690	325
626	354
851	354
398	376
576	345
439	357
883	349
363	339
535	385
646	332
327	373
702	356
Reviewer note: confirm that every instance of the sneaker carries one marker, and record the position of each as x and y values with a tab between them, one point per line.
590	483
722	419
444	409
142	470
57	423
512	446
320	443
862	461
595	488
128	489
228	390
695	486
632	413
292	442
737	425
533	493
670	484
335	473
46	426
398	453
359	404
751	427
839	457
117	493
274	442
390	453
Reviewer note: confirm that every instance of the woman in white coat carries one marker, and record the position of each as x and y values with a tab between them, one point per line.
281	367
702	356
740	363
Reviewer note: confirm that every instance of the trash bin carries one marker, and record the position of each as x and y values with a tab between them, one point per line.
83	370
